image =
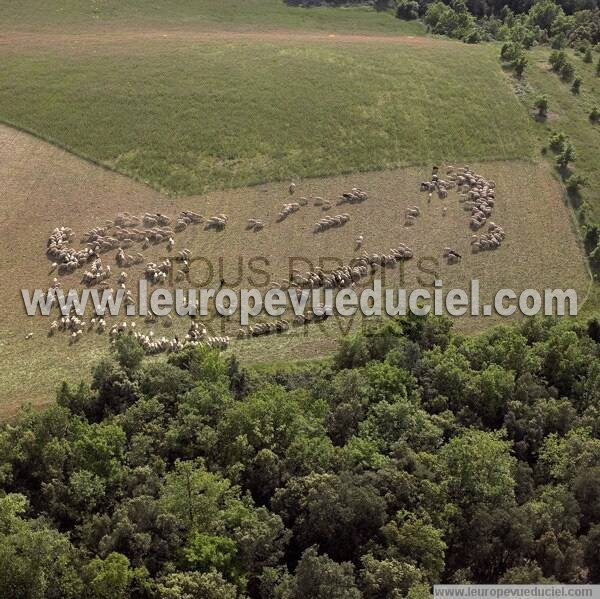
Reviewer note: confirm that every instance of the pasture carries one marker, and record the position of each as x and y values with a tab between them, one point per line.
255	15
188	114
215	106
570	114
46	187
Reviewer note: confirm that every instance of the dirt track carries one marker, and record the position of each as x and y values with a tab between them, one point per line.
115	37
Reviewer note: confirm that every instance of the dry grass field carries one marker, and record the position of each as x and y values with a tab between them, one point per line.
43	187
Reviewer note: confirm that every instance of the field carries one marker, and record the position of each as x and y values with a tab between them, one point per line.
45	187
189	113
253	15
188	104
570	113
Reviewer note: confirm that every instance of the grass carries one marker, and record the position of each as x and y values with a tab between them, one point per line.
570	113
44	187
207	95
188	117
238	14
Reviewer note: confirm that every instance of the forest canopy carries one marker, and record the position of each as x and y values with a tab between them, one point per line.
415	456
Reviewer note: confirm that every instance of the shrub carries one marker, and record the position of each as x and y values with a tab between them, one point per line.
595	261
598	68
587	57
558	141
407	10
595	115
575	182
559	41
510	51
557	60
473	36
567	72
541	104
576	87
592	238
566	156
519	65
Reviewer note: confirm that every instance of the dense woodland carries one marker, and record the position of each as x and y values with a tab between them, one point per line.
414	456
563	22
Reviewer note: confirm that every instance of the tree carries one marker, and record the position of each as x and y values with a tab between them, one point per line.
576	86
411	540
407	10
557	60
588	56
592	238
387	578
478	467
575	183
558	141
567	156
595	114
595	261
567	72
319	577
543	14
205	552
520	64
192	585
109	578
35	560
510	51
334	511
598	68
541	104
129	352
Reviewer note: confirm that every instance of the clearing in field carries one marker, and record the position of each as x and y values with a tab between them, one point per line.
44	187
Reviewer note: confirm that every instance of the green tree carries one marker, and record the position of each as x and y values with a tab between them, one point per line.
541	104
519	65
478	467
129	352
567	72
574	183
543	14
567	156
319	577
558	59
387	578
109	578
334	511
407	10
410	539
192	585
36	561
558	141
